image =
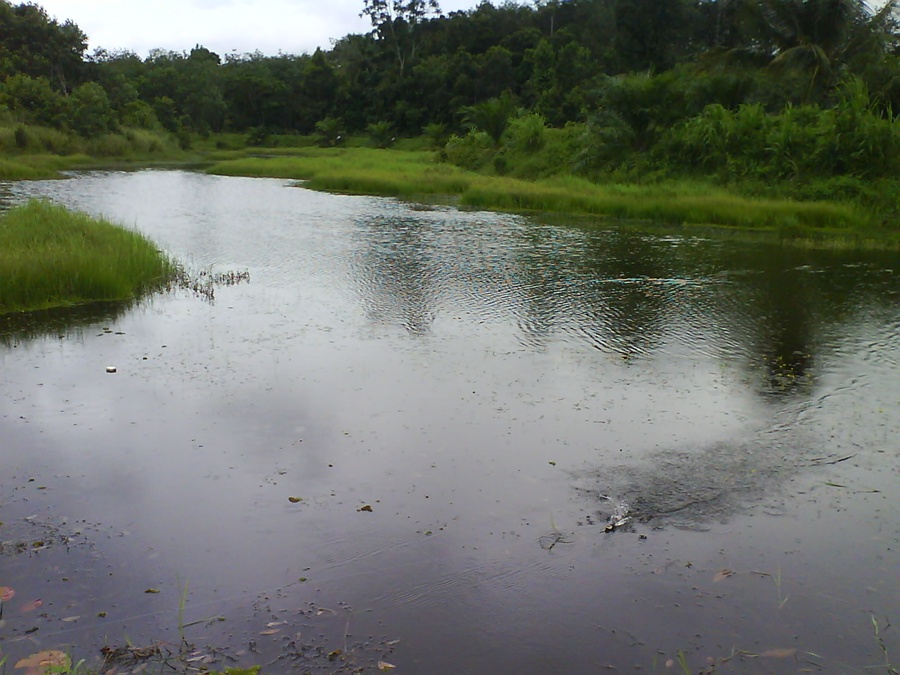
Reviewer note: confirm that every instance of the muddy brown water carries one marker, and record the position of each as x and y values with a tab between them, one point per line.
459	400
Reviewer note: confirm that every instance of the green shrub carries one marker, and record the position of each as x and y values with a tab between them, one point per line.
436	133
381	134
91	114
330	132
472	151
21	137
527	132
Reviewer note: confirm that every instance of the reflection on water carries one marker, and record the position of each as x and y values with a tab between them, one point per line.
71	321
480	381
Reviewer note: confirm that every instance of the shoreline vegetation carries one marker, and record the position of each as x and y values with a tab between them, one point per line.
685	202
53	257
527	171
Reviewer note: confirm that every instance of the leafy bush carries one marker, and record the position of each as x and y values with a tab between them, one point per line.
381	134
436	133
34	99
91	114
21	137
527	132
257	137
801	142
472	151
330	132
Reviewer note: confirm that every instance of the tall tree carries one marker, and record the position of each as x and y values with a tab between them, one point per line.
397	22
33	44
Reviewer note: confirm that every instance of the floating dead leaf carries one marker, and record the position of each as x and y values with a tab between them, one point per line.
367	508
50	661
6	594
780	653
722	574
336	654
270	631
152	590
325	610
295	500
33	605
385	666
130	655
70	619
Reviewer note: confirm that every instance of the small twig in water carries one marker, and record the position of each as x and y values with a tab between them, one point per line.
887	659
822	462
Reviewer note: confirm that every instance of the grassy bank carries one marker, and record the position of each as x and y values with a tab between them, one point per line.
680	202
52	257
29	152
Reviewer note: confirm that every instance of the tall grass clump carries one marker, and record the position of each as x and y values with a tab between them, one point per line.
52	257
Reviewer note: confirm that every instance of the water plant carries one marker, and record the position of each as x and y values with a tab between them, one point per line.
52	257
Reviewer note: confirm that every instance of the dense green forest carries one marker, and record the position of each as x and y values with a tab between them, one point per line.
805	92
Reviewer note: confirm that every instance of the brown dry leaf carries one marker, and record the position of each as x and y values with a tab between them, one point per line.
295	500
152	590
385	666
780	653
367	508
31	606
47	661
6	594
722	574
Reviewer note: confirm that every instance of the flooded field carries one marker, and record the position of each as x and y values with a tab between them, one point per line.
451	441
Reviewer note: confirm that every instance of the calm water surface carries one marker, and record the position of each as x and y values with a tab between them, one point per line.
459	400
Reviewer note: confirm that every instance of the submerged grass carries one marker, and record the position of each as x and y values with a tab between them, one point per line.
52	257
418	173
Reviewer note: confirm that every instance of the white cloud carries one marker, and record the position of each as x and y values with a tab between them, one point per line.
223	26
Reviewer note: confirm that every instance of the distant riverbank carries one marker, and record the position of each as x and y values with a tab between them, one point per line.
420	174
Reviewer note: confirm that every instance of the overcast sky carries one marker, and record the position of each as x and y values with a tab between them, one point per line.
223	26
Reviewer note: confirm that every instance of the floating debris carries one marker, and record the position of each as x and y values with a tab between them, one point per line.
131	655
620	516
548	541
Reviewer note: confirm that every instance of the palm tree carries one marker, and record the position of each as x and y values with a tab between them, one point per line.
491	116
819	38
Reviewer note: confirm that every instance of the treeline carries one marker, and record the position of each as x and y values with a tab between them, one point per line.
716	84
